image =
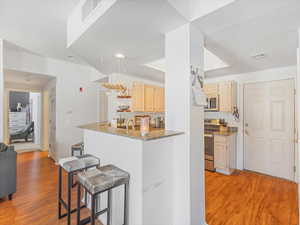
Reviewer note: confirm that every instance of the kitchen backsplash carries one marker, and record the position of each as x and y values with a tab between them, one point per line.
222	115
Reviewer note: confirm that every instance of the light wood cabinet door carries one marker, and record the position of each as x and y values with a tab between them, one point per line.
225	153
149	98
159	99
138	102
221	156
227	96
211	89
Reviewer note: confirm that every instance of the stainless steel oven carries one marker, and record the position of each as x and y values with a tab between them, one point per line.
210	126
209	151
212	103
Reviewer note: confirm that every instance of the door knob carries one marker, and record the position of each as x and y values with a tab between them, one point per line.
246	124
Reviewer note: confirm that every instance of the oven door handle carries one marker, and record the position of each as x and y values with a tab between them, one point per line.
208	135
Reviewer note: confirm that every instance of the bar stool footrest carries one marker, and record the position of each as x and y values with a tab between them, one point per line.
88	219
72	211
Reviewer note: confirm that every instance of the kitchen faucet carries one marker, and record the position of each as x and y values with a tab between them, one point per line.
132	124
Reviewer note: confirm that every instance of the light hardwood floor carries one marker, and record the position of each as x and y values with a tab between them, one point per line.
35	202
242	199
247	198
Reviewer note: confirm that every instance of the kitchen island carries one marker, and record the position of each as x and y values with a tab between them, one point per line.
148	159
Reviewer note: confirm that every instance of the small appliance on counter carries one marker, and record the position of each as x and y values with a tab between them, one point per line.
114	123
118	122
145	125
137	119
158	122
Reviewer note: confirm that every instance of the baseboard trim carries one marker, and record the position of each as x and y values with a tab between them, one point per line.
225	172
19	151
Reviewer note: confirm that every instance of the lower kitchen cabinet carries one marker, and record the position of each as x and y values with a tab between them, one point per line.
225	153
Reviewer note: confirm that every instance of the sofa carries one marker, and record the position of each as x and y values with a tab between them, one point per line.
8	171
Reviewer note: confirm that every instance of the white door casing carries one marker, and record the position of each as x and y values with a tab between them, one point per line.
52	123
269	128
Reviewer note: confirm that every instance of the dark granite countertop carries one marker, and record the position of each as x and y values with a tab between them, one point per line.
135	134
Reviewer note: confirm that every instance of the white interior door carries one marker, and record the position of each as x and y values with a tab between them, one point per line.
269	128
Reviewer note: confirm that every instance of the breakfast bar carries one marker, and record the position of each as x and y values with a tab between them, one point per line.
148	159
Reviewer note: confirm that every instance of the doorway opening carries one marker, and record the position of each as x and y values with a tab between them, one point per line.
30	111
24	118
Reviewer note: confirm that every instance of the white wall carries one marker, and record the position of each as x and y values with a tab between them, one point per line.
113	101
73	108
76	26
1	93
194	9
36	101
241	79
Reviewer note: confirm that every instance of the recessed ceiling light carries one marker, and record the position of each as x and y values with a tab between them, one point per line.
259	56
119	56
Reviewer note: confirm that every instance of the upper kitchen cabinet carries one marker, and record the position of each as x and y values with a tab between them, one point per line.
227	96
147	98
211	89
223	95
138	97
159	99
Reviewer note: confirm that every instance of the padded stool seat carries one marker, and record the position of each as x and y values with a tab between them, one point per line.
97	181
72	165
103	178
76	163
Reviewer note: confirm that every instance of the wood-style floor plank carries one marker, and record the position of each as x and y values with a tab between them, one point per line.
35	202
241	199
247	198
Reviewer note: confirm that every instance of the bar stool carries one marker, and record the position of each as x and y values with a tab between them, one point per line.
72	165
79	147
97	181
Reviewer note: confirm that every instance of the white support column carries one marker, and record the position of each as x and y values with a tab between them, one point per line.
185	48
297	125
1	93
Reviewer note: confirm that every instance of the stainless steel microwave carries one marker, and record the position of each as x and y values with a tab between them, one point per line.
212	103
